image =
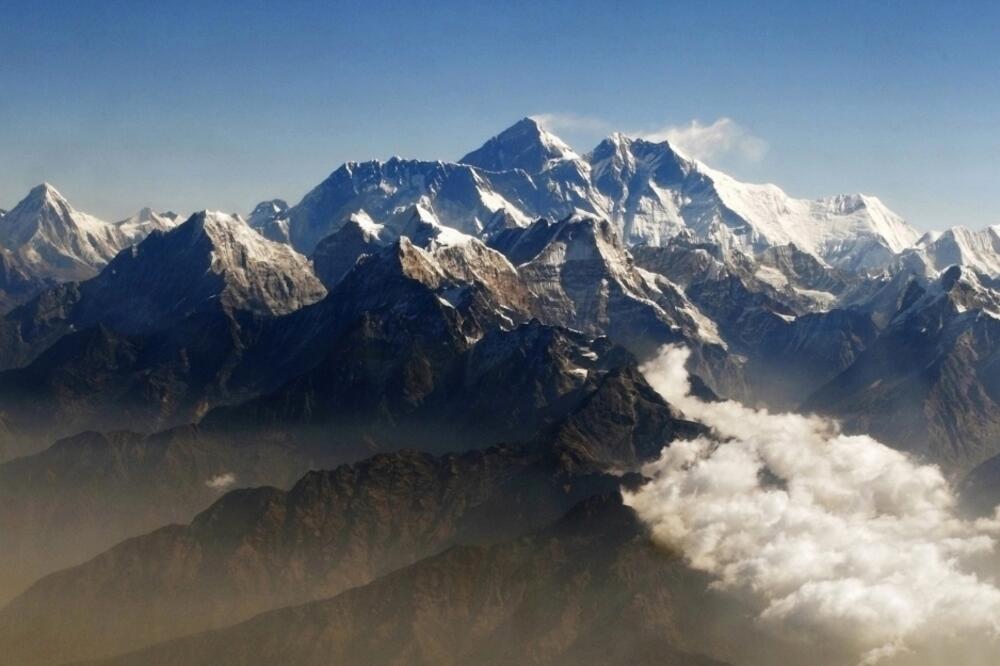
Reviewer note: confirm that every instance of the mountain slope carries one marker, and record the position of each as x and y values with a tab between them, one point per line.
459	196
524	145
85	493
57	241
935	252
928	384
263	548
767	311
211	263
648	191
588	590
653	192
364	371
270	219
145	222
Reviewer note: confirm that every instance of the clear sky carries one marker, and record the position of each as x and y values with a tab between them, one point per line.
190	105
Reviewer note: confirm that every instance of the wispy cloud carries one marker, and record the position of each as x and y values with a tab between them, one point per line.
571	122
721	138
724	137
221	481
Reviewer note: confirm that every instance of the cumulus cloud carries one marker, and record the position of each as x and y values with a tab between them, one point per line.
221	481
840	540
708	142
570	122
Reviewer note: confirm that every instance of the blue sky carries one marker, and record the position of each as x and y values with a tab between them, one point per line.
193	105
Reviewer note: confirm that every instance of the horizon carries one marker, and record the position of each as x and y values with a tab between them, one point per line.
221	106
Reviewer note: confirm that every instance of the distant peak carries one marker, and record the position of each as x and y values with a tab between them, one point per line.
270	206
619	139
524	145
527	122
223	230
212	221
45	191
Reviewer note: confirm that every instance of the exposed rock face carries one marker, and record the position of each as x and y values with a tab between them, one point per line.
935	252
336	254
791	341
99	379
45	241
368	455
928	384
18	283
211	263
211	257
458	195
383	377
583	278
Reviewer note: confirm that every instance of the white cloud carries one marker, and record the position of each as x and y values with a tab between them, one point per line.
570	122
221	481
840	541
707	142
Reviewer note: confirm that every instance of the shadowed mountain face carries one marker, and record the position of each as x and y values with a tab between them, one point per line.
375	394
414	310
792	342
211	263
588	590
87	492
929	383
259	549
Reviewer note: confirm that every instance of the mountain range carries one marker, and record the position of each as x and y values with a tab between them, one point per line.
391	423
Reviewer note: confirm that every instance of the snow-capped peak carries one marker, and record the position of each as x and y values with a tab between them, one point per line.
270	219
258	274
145	222
852	231
423	228
525	145
56	240
270	207
936	251
649	192
366	224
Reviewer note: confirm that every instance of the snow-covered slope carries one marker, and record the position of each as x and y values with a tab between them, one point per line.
145	222
459	196
525	145
259	274
652	192
270	218
53	239
934	252
853	231
212	260
648	191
